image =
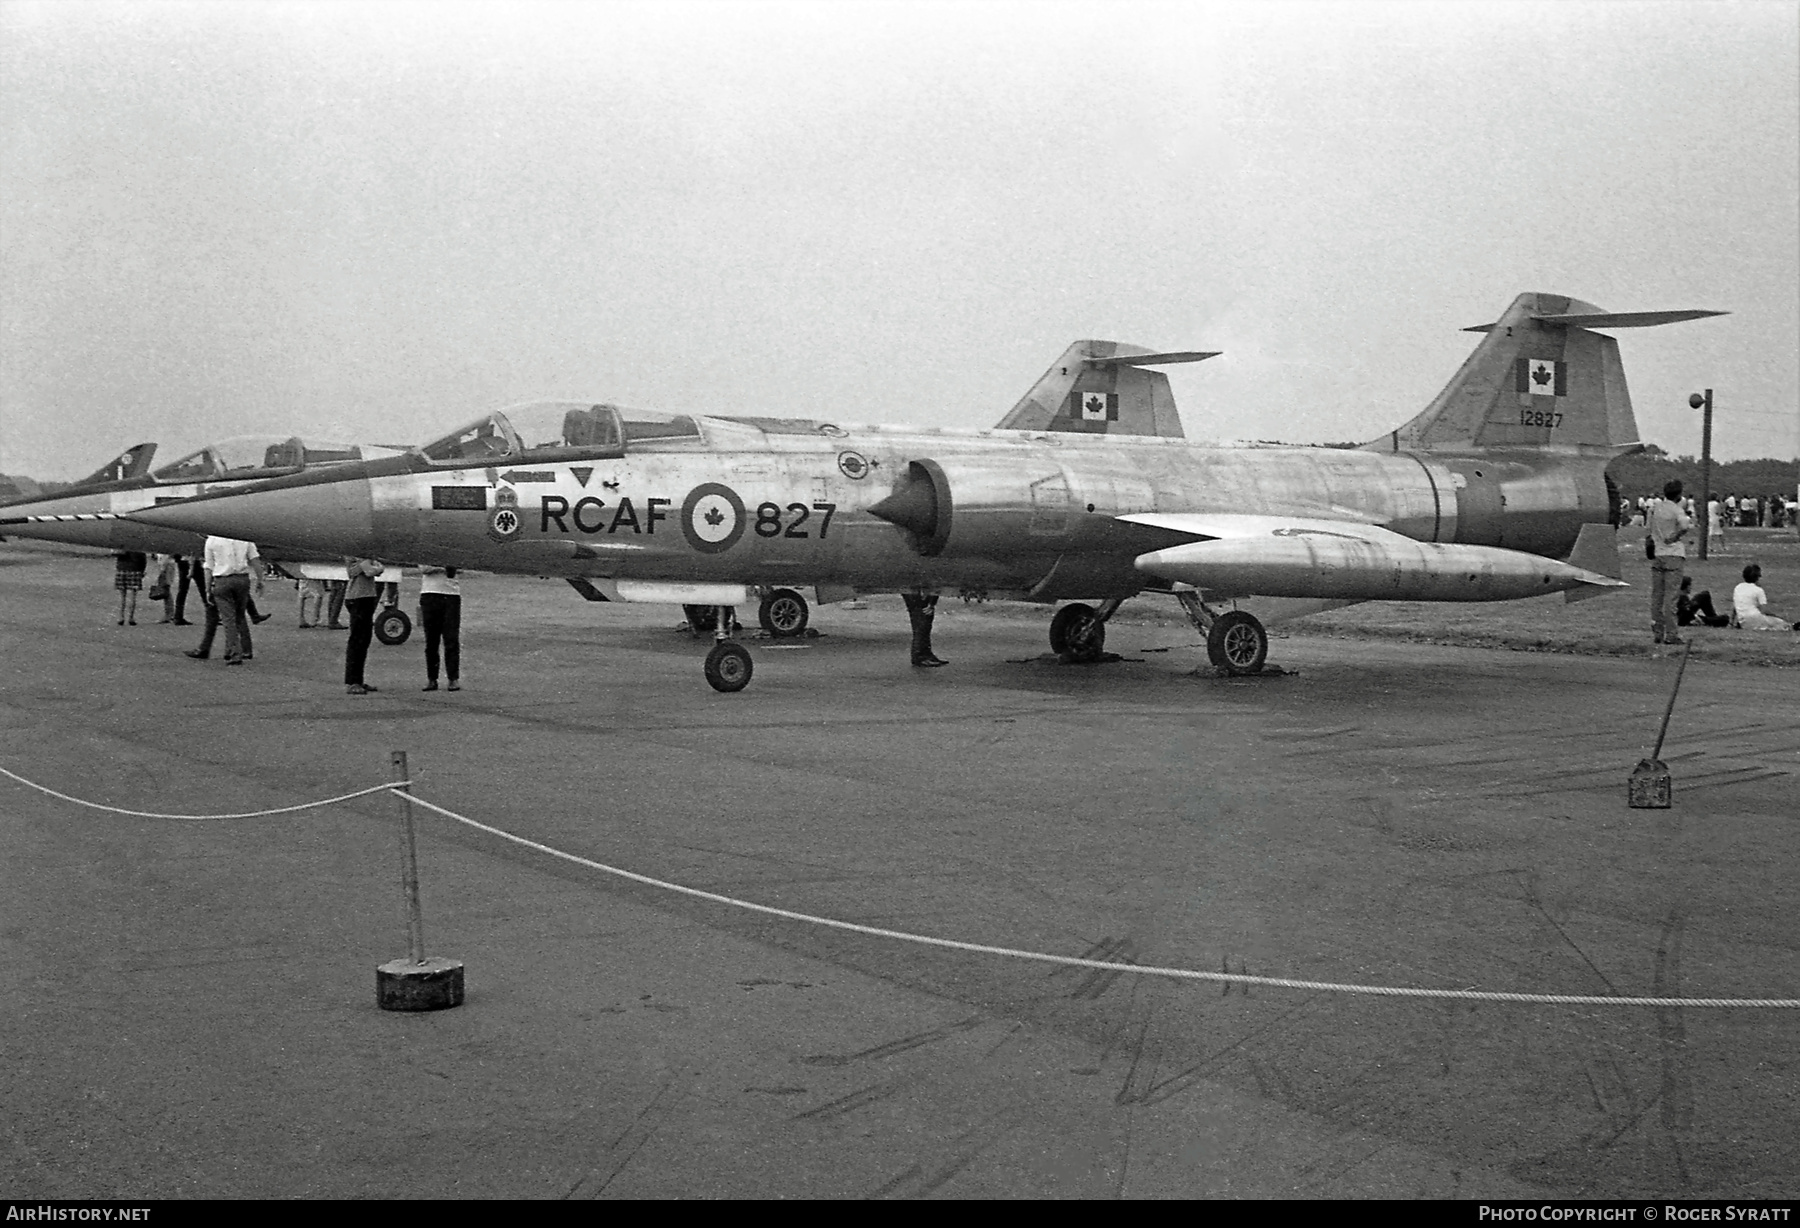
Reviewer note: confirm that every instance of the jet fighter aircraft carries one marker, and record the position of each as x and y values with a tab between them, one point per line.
1085	491
132	463
93	512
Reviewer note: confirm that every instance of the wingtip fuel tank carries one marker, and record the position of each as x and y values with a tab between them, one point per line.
1323	564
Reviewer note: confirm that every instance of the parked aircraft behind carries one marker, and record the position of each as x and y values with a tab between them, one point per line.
92	512
1085	491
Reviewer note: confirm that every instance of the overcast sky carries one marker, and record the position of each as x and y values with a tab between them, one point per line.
371	221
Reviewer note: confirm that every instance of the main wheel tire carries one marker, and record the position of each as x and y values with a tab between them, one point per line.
728	667
392	626
1077	634
701	618
1237	643
783	614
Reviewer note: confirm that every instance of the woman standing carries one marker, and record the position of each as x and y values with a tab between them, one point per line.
128	578
440	609
359	599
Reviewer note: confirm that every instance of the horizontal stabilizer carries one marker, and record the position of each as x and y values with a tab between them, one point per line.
1626	319
1611	319
1155	360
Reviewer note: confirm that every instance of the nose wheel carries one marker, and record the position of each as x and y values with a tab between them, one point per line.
392	626
728	665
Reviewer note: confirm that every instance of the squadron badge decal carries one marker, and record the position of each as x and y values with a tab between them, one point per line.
504	521
712	518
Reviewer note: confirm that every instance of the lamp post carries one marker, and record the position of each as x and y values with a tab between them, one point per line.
1704	401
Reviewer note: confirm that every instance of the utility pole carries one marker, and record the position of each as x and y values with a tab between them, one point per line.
1704	401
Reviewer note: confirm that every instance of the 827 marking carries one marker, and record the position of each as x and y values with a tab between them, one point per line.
768	519
1540	417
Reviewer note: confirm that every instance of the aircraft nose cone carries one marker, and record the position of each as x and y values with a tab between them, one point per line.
320	517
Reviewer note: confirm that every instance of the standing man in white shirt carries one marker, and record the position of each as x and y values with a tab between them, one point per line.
440	610
231	567
1670	528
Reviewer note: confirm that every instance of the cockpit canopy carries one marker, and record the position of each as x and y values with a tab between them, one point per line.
548	430
255	456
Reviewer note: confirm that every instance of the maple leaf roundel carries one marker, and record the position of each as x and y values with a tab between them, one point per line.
712	518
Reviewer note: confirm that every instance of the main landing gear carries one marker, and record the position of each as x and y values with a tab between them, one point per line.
1235	640
783	614
1078	632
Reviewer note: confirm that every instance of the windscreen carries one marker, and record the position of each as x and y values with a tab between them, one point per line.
249	456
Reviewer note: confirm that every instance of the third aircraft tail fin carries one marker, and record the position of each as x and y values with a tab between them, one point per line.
131	463
1102	388
1539	378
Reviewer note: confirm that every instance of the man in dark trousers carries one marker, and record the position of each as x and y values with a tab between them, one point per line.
921	608
189	575
359	599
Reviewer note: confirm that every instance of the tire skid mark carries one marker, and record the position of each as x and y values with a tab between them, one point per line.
892	1047
629	1141
1185	1078
1528	886
932	1172
1676	1099
1140	1076
862	1097
1098	980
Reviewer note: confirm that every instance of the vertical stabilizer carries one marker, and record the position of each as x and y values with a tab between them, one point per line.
131	463
1102	388
1540	378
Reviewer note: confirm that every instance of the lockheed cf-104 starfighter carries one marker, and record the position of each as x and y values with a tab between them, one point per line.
1085	492
93	511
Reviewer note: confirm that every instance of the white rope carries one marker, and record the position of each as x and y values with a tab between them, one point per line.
248	814
1075	961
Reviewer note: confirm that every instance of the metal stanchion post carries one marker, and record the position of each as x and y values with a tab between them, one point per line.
415	983
1699	401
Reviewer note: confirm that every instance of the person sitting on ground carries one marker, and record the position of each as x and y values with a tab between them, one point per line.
1748	601
1691	609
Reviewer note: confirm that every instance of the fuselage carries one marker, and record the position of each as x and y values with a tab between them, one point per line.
789	502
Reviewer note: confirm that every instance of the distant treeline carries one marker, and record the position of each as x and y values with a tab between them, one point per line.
1645	472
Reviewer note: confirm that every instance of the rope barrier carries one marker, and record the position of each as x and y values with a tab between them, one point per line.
194	818
1075	961
398	787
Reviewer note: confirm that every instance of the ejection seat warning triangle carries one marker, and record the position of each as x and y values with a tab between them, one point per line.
582	472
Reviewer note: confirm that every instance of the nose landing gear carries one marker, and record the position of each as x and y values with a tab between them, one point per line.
728	665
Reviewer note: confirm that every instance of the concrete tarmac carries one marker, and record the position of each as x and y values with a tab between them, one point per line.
191	1011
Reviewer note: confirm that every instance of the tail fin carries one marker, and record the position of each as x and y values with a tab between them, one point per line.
1101	388
1539	378
132	463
